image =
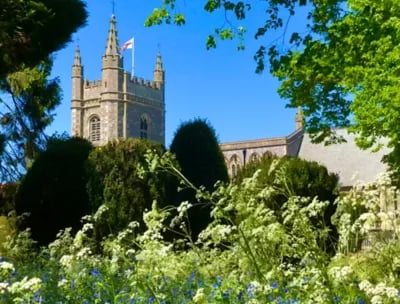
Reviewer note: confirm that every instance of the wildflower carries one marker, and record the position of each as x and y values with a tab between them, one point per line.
274	285
251	288
62	283
95	273
183	208
6	268
200	296
4	287
218	283
192	276
270	297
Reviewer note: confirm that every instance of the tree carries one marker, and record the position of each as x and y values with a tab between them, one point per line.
33	29
26	110
197	151
116	181
296	177
53	192
341	68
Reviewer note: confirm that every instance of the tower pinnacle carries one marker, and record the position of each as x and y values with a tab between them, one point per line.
112	40
299	119
158	71
77	57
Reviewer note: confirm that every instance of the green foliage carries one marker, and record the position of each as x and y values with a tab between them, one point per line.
197	151
33	29
115	182
256	260
168	14
340	67
368	213
5	232
296	177
53	191
28	101
7	197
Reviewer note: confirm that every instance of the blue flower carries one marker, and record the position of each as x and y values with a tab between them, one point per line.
151	300
132	300
274	285
218	283
192	276
95	272
285	290
250	290
336	299
360	301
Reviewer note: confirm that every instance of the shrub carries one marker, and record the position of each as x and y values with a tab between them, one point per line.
297	177
115	182
7	197
197	151
53	191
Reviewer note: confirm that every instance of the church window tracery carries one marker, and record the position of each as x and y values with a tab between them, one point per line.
234	172
94	129
144	127
254	157
234	165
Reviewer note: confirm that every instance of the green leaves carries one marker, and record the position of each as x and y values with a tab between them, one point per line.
342	68
29	99
33	29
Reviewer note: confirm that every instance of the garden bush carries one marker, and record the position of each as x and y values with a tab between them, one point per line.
115	183
7	197
197	151
263	260
53	192
292	176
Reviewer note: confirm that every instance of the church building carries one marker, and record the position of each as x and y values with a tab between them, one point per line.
345	159
119	105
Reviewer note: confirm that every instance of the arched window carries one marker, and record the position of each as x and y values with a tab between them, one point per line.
254	157
94	128
234	173
234	165
144	127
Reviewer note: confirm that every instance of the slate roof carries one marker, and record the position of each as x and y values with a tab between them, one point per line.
346	159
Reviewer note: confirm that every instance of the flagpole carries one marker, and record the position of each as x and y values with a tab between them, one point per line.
133	57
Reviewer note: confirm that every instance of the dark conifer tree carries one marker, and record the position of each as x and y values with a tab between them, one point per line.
53	192
197	151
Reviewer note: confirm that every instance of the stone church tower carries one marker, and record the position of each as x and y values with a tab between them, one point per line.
118	105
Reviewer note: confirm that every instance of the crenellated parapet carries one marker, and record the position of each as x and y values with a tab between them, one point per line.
92	84
143	82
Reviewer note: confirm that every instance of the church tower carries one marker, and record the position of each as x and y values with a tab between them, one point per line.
118	105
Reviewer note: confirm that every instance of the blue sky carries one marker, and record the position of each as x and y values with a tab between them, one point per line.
220	85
